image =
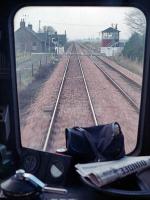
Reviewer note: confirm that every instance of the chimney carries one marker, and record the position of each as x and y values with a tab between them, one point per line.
22	23
116	26
30	26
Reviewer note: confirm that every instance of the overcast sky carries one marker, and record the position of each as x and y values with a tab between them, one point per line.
79	22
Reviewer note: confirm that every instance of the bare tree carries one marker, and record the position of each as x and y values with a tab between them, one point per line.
49	29
136	21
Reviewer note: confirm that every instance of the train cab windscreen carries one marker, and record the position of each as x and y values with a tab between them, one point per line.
78	67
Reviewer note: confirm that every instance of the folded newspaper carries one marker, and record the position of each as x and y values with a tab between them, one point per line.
102	173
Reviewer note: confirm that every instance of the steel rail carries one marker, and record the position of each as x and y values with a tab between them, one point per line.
130	100
55	108
58	98
87	90
109	65
126	77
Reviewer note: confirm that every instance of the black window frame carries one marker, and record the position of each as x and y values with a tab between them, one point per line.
142	146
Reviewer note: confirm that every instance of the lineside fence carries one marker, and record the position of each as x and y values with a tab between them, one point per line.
29	66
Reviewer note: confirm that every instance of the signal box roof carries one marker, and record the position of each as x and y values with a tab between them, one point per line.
110	29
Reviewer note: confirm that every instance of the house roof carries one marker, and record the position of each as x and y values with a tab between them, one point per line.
110	29
40	36
32	32
43	36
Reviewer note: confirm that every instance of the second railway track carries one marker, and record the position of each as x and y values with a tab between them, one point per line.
137	83
126	86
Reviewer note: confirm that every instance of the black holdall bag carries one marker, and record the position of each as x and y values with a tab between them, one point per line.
97	143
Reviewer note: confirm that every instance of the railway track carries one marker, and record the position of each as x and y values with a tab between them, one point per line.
71	92
73	100
122	74
129	79
128	85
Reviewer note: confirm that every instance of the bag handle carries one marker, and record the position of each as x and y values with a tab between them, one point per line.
99	157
